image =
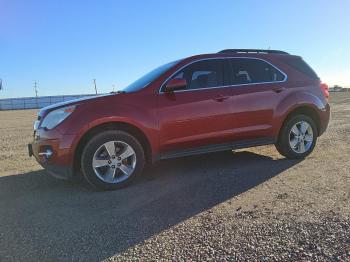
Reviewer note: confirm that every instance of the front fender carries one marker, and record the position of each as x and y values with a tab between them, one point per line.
101	114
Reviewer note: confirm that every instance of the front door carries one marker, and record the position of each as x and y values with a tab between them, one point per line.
200	114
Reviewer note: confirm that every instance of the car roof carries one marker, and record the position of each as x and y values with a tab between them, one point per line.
254	53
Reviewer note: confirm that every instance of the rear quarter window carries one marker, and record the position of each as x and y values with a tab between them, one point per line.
300	65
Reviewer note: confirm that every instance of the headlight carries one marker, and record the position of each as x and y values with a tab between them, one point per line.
56	117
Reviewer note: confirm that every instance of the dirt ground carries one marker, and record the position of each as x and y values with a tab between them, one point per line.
248	205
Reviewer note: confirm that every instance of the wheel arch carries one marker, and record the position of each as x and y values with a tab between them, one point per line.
308	104
307	110
115	125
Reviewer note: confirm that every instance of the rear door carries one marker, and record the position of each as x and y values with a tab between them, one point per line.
201	113
257	89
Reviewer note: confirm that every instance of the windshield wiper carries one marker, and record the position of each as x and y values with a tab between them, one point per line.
118	92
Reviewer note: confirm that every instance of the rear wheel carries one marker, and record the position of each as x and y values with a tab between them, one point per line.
112	159
298	137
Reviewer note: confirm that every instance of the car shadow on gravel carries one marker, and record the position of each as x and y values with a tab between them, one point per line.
47	219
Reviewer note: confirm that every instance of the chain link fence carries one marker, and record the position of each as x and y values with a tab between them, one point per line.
35	102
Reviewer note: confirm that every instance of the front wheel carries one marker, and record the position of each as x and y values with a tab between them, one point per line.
112	159
297	137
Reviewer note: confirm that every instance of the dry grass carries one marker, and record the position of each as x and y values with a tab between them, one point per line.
16	131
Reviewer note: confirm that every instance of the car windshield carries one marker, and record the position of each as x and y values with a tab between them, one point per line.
149	77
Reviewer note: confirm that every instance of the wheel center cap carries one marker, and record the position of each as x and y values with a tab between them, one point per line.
301	137
115	162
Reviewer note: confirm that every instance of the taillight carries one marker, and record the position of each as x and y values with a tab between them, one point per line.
325	89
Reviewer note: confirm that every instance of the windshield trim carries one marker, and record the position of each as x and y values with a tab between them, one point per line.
153	75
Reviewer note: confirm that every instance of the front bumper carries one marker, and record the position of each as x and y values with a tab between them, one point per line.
59	163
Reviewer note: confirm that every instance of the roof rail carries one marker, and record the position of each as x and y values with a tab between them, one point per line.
262	51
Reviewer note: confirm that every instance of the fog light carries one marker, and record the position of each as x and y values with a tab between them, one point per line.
47	153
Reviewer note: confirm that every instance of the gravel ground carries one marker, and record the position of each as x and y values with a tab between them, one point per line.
248	205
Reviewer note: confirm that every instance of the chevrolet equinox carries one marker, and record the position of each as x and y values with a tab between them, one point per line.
236	98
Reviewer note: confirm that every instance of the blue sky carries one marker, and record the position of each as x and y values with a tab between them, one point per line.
63	45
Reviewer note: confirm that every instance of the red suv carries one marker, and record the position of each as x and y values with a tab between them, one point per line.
236	98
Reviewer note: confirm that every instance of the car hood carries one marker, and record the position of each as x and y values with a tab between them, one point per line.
45	110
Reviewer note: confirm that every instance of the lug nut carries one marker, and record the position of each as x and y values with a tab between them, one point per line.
113	166
109	161
119	158
119	164
113	157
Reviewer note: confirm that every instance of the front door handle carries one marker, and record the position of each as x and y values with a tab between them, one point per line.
278	89
221	98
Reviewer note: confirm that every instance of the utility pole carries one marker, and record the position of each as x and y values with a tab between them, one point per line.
36	89
95	86
36	93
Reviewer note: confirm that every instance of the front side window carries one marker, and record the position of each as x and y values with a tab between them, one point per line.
251	71
202	74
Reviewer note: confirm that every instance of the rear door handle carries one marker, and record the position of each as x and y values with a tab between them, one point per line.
278	89
221	98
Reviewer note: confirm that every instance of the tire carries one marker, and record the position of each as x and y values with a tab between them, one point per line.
288	137
112	160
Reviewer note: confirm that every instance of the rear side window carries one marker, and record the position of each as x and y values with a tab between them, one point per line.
252	71
203	74
300	65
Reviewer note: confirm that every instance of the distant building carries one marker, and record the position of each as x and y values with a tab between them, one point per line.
337	88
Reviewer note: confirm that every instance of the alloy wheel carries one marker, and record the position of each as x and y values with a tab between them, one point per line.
301	137
114	161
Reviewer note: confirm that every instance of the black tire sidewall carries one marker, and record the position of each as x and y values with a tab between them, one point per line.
95	143
283	145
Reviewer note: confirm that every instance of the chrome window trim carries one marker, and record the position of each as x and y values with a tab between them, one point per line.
223	58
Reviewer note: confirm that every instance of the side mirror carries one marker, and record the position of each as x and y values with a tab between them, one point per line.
175	84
